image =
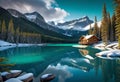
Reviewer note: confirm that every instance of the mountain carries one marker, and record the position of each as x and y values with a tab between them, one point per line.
35	17
39	20
77	24
74	28
15	13
28	26
92	25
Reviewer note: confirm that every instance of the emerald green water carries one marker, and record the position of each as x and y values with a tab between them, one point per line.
69	64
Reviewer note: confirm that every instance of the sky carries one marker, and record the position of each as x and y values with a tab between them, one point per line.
60	10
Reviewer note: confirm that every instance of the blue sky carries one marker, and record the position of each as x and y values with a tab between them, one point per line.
80	8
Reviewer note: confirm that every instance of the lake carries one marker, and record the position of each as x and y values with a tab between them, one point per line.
69	64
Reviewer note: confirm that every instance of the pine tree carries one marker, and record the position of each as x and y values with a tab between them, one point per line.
90	30
113	37
10	32
104	26
3	31
117	14
95	30
109	27
17	35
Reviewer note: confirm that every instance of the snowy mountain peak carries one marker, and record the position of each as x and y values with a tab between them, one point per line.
34	16
15	13
85	17
77	24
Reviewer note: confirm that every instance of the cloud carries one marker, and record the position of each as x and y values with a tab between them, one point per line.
49	9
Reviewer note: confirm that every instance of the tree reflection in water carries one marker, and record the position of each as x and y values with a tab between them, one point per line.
3	66
110	67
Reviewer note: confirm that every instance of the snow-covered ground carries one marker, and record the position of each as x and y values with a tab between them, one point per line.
110	54
110	46
6	45
110	51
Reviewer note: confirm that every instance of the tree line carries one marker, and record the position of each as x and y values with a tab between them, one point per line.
14	35
110	26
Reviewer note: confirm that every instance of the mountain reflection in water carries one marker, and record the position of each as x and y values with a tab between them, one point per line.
69	64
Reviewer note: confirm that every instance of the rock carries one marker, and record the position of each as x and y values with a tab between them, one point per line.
13	80
47	77
26	77
11	74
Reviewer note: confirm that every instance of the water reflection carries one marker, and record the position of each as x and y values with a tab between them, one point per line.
117	70
67	63
61	71
110	68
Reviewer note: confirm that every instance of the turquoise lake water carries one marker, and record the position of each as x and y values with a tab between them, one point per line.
69	64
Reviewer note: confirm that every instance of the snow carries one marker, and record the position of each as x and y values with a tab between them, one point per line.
109	54
45	76
31	17
23	77
92	25
67	34
3	43
88	36
13	80
79	28
6	45
82	20
110	46
15	15
89	57
11	71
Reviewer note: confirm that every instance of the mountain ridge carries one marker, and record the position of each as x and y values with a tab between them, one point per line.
28	26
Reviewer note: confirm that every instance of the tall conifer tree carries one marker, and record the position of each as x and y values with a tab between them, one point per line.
96	29
90	30
104	26
3	31
113	37
10	32
117	14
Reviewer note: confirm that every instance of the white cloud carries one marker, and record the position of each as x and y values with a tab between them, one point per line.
49	9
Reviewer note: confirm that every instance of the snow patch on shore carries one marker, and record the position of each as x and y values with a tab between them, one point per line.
110	54
110	46
6	45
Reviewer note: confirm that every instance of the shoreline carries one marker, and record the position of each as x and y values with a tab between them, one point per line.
6	45
110	46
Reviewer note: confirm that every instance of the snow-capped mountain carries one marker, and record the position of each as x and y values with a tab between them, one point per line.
70	28
39	20
15	13
35	17
92	25
77	24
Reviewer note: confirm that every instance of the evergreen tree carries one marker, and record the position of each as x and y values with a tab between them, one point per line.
17	35
95	30
90	30
109	27
113	37
3	31
104	26
10	32
117	14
